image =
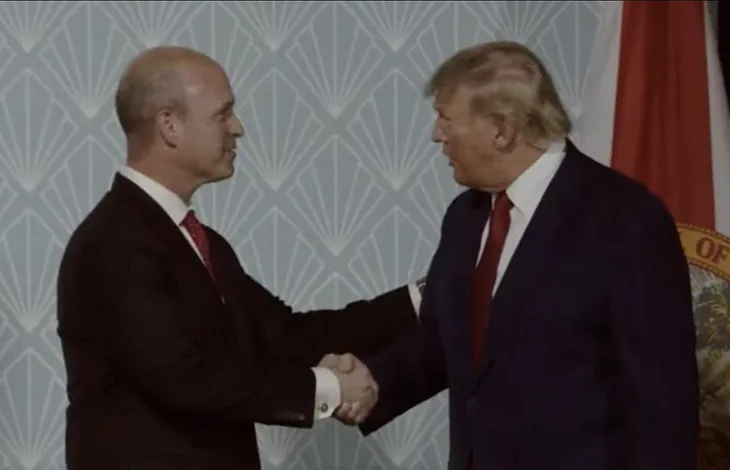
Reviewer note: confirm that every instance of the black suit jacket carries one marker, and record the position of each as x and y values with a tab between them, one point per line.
162	374
589	357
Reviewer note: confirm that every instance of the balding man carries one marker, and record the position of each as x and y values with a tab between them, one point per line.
172	351
558	309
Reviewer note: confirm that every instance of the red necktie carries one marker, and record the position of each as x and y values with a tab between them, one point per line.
485	274
197	232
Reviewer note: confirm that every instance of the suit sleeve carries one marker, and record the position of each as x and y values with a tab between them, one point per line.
410	372
414	369
653	326
362	328
137	319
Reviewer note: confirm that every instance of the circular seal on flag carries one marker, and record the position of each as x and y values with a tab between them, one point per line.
708	254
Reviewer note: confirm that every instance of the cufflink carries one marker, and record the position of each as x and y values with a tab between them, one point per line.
323	408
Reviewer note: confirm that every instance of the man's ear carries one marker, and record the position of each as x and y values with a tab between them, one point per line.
168	127
506	135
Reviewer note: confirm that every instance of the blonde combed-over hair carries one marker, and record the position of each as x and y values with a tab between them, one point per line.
510	84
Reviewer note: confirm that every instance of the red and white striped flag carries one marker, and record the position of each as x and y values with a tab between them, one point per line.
656	109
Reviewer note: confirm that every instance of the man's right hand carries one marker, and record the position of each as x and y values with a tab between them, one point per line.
359	392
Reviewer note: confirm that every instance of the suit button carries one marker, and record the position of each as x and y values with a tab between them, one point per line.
323	408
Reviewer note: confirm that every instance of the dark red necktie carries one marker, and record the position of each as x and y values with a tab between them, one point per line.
485	274
197	232
484	277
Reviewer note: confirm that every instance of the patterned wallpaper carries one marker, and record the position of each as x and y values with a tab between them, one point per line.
338	193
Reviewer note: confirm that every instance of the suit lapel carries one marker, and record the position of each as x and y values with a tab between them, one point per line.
228	280
233	312
170	234
543	242
466	252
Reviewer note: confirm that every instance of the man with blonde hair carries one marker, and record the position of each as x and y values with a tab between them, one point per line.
558	310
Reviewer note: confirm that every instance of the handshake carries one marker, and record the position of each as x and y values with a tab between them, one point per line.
358	390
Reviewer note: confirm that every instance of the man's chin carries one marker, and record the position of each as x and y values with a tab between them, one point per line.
224	173
230	172
461	179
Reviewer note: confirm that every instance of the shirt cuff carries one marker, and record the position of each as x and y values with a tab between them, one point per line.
415	297
327	395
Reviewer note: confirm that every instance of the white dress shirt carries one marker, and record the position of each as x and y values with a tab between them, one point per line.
328	394
525	192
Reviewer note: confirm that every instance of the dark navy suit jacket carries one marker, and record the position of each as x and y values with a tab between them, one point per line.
589	356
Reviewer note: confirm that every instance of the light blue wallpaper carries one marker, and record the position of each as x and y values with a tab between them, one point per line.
338	193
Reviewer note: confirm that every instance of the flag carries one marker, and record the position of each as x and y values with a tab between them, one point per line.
655	109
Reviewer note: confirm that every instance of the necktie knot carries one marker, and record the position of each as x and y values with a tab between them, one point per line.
190	221
502	203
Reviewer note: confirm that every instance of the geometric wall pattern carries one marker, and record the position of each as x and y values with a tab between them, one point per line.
338	193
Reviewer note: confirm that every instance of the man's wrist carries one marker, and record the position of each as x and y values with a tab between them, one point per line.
327	392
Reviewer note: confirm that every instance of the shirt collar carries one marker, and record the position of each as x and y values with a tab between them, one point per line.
527	190
170	202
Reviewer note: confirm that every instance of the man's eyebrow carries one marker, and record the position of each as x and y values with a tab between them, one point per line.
226	106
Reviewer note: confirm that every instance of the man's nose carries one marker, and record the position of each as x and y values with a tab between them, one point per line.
238	129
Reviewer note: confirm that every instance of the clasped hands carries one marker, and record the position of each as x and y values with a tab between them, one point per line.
358	390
